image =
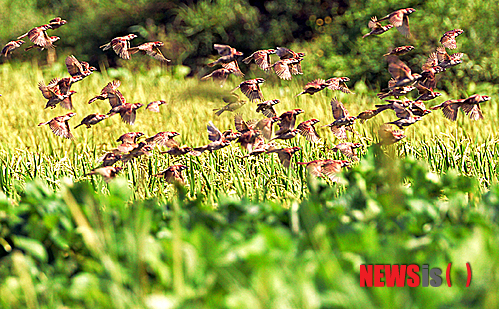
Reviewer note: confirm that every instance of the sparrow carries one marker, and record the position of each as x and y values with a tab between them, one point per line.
265	126
59	125
111	92
141	149
395	91
469	105
418	108
400	20
285	68
219	75
163	139
92	119
49	44
285	53
398	51
39	37
154	106
120	45
260	147
131	137
285	154
448	40
216	138
327	168
366	115
445	60
251	88
288	120
314	87
173	174
53	94
287	135
107	172
405	122
426	94
151	49
109	158
78	69
267	108
11	46
400	72
228	54
231	135
347	149
127	111
57	23
179	151
338	83
261	58
249	135
233	103
388	136
376	27
429	70
343	120
307	129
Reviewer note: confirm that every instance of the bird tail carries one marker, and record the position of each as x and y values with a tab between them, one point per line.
218	112
29	48
78	125
106	46
133	50
43	123
300	93
206	76
212	64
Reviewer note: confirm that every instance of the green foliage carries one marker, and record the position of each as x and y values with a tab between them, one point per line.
92	249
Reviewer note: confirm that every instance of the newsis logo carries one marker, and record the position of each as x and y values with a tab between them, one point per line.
411	274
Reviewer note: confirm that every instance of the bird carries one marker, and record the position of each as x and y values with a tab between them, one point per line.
220	75
266	126
251	89
57	23
179	151
448	40
111	92
107	172
249	134
109	159
92	119
388	136
151	49
120	45
78	69
216	138
307	129
127	111
233	103
376	27
400	20
163	139
347	149
470	106
445	60
49	44
261	58
313	87
395	91
405	122
400	72
343	120
286	53
130	137
141	149
426	94
398	51
285	155
60	126
228	58
287	135
173	174
328	168
154	106
39	37
285	68
260	147
11	46
338	83
267	108
366	115
53	94
287	120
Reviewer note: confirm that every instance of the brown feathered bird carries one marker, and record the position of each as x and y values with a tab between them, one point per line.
163	139
11	46
400	20
109	158
288	120
400	72
347	149
120	45
398	51
130	137
154	106
107	172
343	120
285	155
92	119
173	174
286	53
233	103
141	149
376	27
57	23
388	136
261	58
307	129
39	37
127	111
111	92
180	151
60	126
52	93
151	49
286	68
267	108
251	89
216	138
78	69
314	87
366	115
338	83
325	168
445	60
448	40
219	75
470	106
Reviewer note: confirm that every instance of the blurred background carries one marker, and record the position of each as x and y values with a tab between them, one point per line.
330	32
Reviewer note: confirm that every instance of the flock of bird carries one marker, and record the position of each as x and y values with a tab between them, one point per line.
257	136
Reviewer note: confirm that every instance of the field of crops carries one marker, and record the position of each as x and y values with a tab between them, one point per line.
244	232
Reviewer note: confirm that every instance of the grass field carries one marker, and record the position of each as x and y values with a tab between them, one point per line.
244	233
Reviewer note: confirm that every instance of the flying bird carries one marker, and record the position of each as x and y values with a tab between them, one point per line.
448	40
233	103
154	106
151	49
285	155
376	27
261	58
120	45
107	172
251	89
11	46
267	108
307	129
400	20
92	119
173	174
60	126
327	168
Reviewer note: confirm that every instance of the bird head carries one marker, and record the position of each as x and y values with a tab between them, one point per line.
181	167
274	102
173	134
410	10
314	121
158	43
294	149
298	111
260	80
